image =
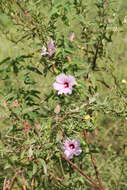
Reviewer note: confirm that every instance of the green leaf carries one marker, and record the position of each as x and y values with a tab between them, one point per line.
43	164
5	60
7	165
5	21
34	69
34	169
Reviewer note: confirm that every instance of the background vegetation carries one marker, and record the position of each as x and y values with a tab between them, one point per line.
32	128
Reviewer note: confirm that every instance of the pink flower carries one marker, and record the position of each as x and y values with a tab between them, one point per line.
64	84
15	104
50	50
71	148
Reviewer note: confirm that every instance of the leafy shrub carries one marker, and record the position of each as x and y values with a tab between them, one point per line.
74	38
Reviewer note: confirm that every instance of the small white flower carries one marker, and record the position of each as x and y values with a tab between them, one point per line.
44	51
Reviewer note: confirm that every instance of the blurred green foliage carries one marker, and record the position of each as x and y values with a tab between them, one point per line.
96	113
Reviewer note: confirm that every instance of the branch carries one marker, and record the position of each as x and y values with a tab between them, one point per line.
89	179
9	183
95	57
96	171
93	162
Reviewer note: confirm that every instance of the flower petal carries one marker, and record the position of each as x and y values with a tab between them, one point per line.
78	151
65	91
44	51
71	80
50	44
76	142
68	154
61	78
58	86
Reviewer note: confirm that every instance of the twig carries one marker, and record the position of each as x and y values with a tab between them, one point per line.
71	112
66	116
104	83
8	185
118	184
56	178
94	164
96	171
95	57
89	179
121	173
17	138
23	187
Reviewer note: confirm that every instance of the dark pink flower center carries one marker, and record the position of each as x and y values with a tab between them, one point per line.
72	146
66	84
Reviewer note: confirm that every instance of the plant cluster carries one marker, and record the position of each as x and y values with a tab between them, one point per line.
54	92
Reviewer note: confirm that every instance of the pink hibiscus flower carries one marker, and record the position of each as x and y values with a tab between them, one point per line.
71	148
64	84
50	50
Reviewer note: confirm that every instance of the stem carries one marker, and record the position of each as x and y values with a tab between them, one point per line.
96	171
94	164
89	179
